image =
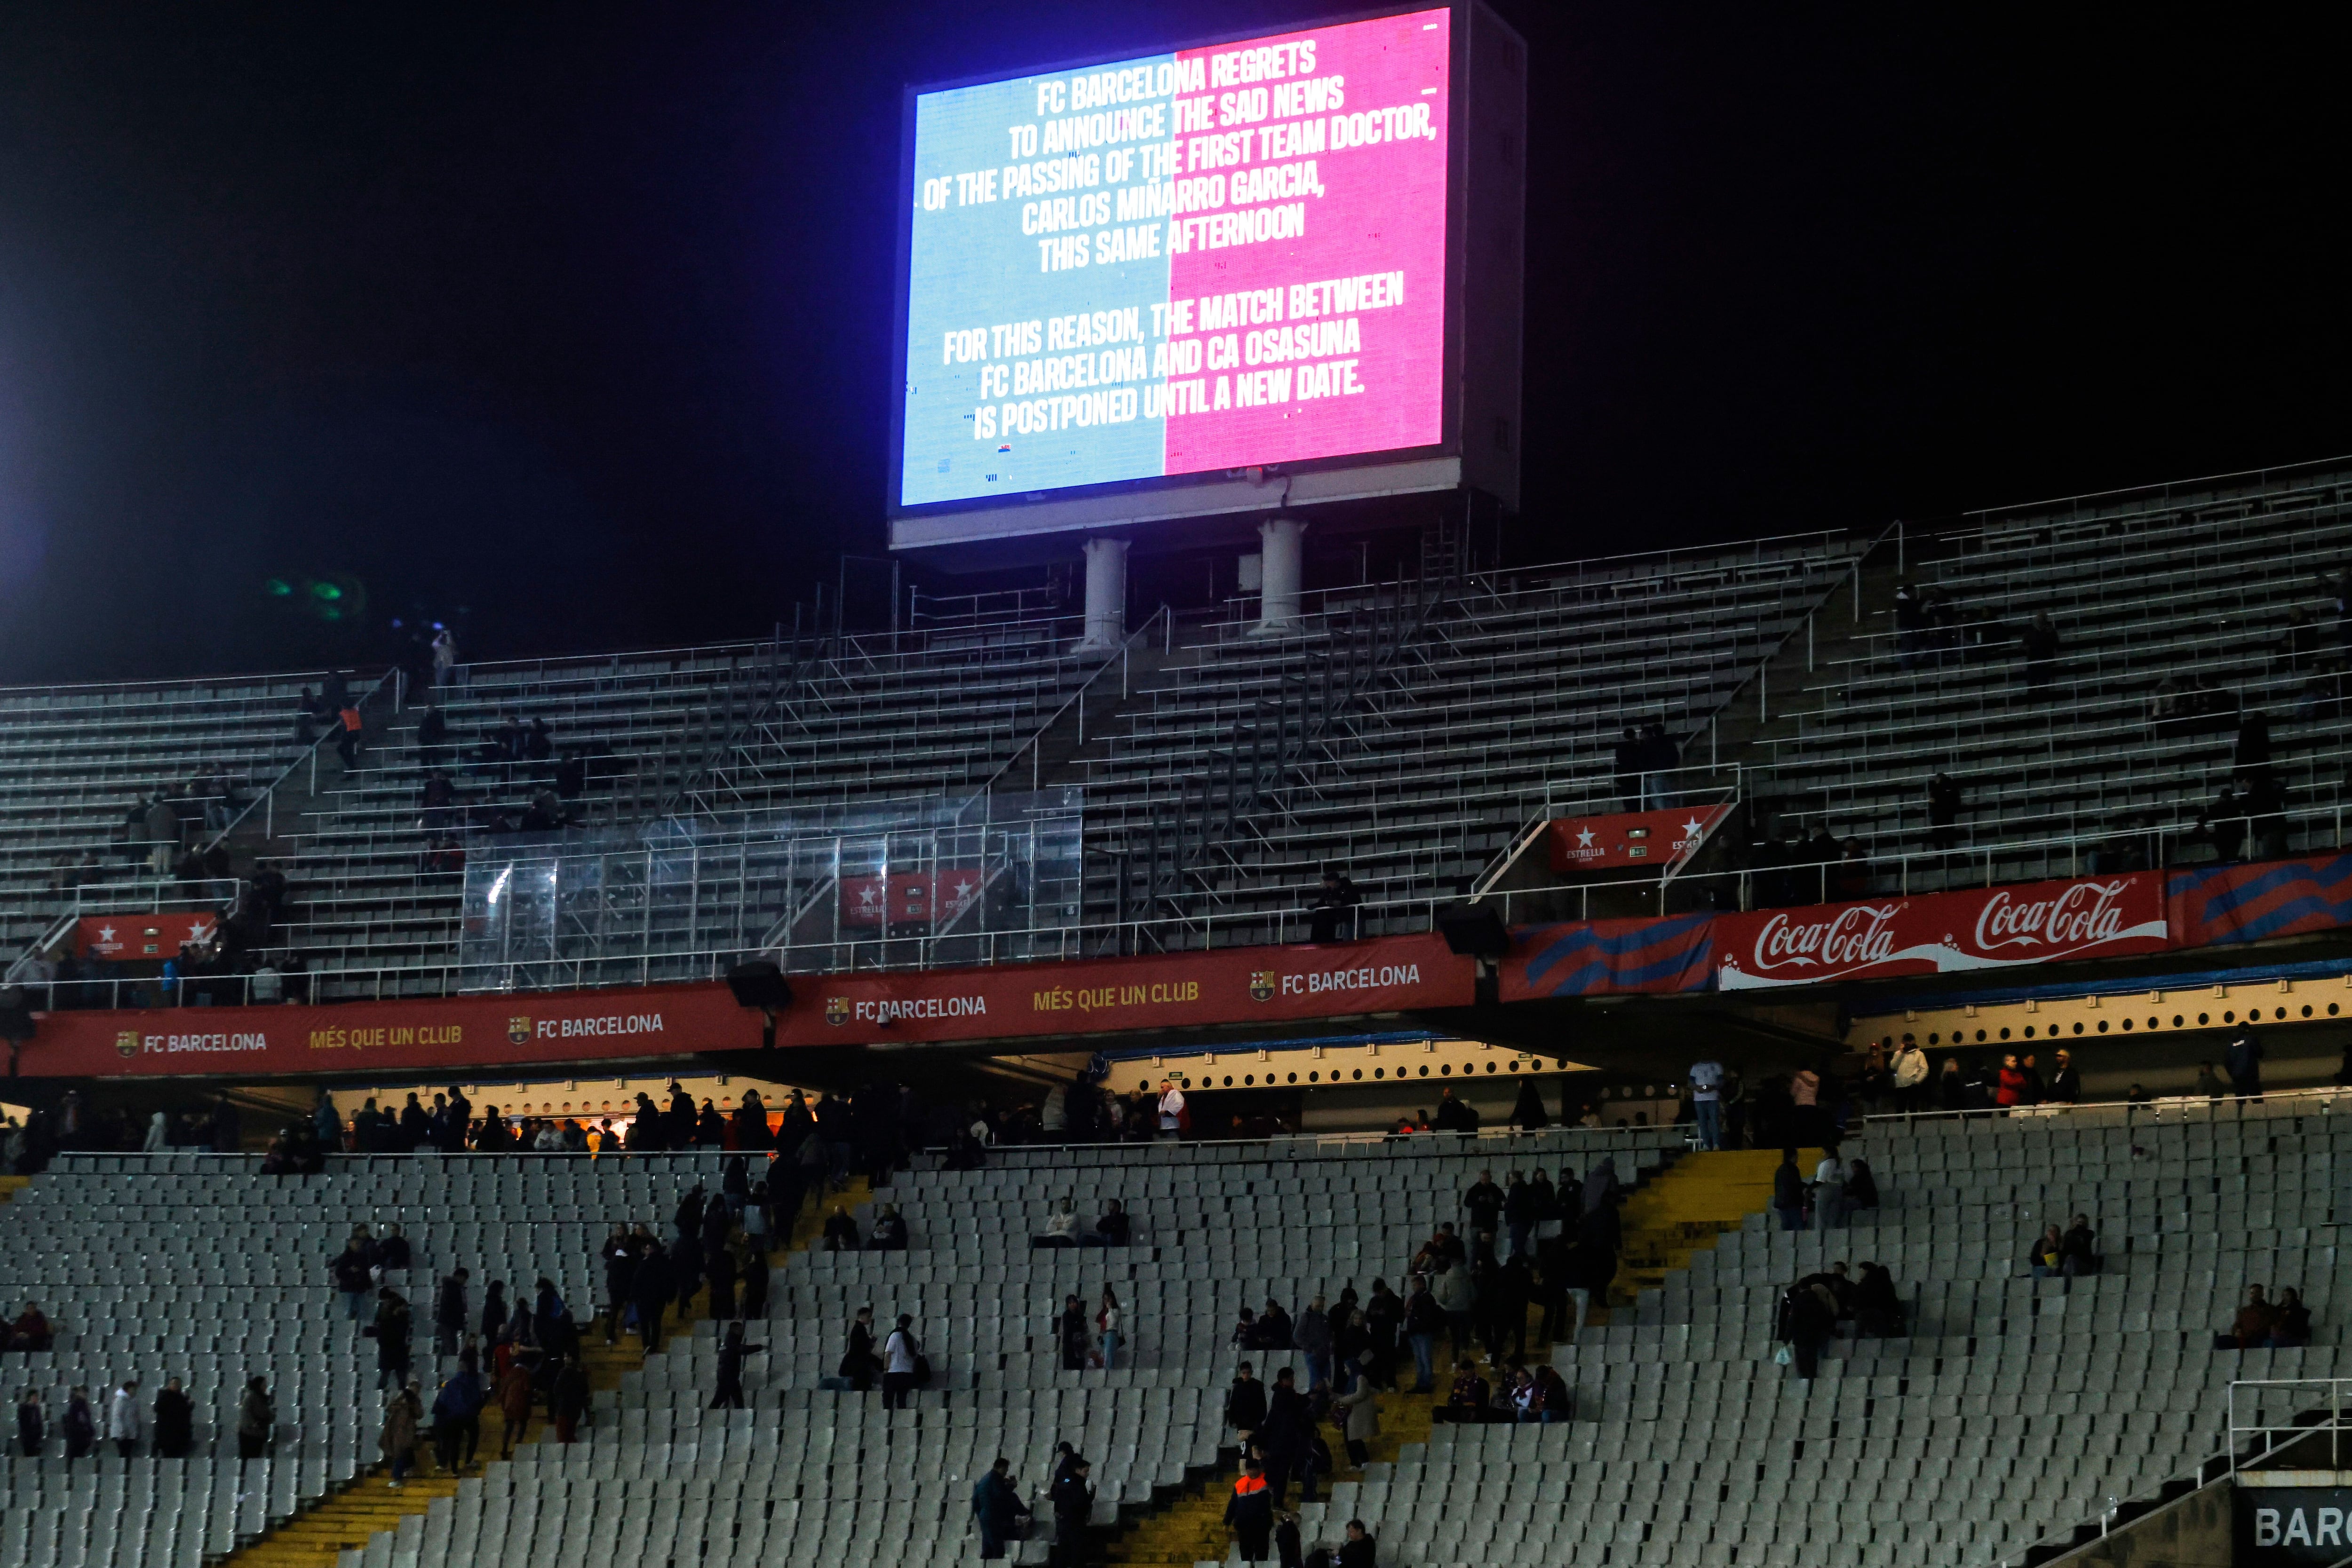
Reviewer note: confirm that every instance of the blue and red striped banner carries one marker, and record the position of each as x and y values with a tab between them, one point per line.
2224	906
1598	957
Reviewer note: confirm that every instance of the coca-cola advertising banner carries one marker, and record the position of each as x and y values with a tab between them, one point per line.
1942	933
1630	837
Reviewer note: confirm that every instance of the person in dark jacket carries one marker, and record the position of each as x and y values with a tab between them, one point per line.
32	1424
1285	1539
1789	1192
1383	1322
1245	1402
449	1312
718	1266
620	1255
1074	1504
392	1252
859	1363
568	1401
354	1279
1076	1342
1358	1550
688	1216
2065	1087
2244	1061
1808	1316
650	1292
257	1419
494	1310
79	1425
754	1271
996	1507
729	1394
752	1125
391	1331
1250	1512
1283	1438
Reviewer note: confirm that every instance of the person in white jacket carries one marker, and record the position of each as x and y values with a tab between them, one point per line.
156	1142
1172	1110
122	1418
1909	1071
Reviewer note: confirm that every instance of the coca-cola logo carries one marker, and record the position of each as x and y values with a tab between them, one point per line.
2080	914
1853	938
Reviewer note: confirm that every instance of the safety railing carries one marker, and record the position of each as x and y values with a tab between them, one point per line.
145	896
2303	1423
2327	1100
1160	624
267	801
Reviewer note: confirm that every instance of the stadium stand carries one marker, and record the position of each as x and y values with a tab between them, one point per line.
1535	672
199	1267
731	728
2180	609
79	763
2010	1409
1520	680
810	1470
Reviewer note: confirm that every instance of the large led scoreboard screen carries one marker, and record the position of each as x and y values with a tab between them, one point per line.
1212	259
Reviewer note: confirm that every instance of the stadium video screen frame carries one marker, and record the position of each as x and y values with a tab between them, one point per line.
1124	285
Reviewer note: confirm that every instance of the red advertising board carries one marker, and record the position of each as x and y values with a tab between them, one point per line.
1629	837
913	897
425	1034
143	937
1240	986
1942	933
1095	995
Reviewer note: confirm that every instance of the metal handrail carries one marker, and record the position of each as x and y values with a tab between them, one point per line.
268	799
1077	698
2170	487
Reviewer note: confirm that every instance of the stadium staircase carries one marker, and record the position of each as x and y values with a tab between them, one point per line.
365	1508
1684	1208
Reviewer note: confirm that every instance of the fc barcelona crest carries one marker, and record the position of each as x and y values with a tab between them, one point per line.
1262	986
519	1031
836	1010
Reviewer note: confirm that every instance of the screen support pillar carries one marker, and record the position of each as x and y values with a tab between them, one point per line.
1281	551
1106	611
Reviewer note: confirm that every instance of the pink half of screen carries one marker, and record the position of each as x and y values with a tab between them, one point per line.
1382	211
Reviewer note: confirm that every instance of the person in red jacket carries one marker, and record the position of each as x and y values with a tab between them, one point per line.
2010	1090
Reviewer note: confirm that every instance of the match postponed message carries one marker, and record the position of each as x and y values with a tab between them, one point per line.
1210	259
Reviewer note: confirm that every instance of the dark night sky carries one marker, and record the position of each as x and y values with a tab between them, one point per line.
582	318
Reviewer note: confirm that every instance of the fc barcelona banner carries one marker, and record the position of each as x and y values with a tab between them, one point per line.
1004	1002
2222	905
1100	996
517	1029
